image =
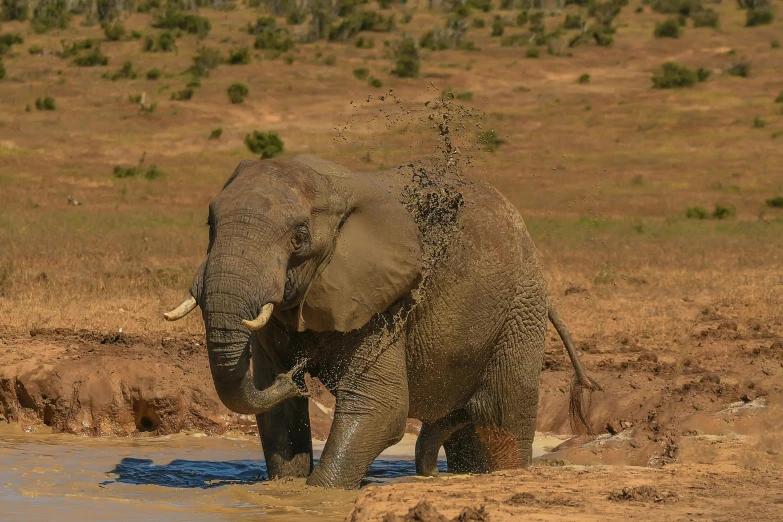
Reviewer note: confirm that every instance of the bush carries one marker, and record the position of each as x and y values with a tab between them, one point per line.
479	23
36	50
239	56
216	133
2	70
362	73
152	172
681	7
136	35
154	74
237	93
489	141
522	18
9	39
740	68
361	21
407	58
572	21
672	76
184	95
724	212
45	104
274	39
532	52
50	14
94	59
14	10
776	202
697	213
584	78
669	28
76	47
755	17
365	43
497	26
706	18
126	72
114	32
267	144
206	59
758	123
775	43
375	82
173	18
779	99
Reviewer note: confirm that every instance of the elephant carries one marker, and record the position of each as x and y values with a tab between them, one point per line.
412	292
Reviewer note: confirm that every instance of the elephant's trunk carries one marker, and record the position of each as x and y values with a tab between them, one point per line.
229	301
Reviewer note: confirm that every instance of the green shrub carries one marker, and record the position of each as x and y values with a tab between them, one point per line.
216	133
184	95
672	76
152	172
758	123
360	21
775	43
9	39
522	18
126	72
361	73
697	213
756	17
724	211
498	26
776	202
584	78
206	59
45	104
2	70
267	144
532	52
375	82
76	47
50	14
669	28
465	95
702	74
134	98
706	18
779	98
740	68
114	32
237	93
36	50
364	42
94	59
173	18
489	141
239	56
572	21
136	35
274	39
407	58
14	10
680	7
479	23
154	74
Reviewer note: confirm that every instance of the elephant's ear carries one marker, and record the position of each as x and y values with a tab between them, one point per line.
376	258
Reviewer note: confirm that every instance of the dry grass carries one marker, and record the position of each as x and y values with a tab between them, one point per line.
603	172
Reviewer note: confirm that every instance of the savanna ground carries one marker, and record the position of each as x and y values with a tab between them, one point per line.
680	320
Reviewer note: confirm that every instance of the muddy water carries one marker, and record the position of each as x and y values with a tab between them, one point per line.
171	478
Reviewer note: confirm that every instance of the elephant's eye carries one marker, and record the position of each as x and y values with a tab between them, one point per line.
301	239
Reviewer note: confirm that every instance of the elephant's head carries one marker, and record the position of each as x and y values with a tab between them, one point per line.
305	241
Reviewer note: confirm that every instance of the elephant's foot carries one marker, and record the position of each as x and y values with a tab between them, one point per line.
432	437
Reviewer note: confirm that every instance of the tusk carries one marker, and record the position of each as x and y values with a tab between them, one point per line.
182	310
260	321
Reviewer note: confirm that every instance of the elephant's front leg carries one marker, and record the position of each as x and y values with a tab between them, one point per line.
285	430
372	405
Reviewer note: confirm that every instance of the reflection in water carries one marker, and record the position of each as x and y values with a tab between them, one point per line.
205	474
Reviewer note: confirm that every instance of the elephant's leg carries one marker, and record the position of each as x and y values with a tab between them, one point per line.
465	453
432	437
285	430
504	407
370	413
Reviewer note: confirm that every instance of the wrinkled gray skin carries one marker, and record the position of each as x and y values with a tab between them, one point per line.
360	303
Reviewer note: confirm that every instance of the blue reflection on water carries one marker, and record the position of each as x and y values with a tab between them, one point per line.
207	474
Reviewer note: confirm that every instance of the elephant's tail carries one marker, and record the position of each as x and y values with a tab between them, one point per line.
579	382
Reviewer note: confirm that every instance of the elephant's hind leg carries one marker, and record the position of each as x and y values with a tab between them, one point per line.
432	437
